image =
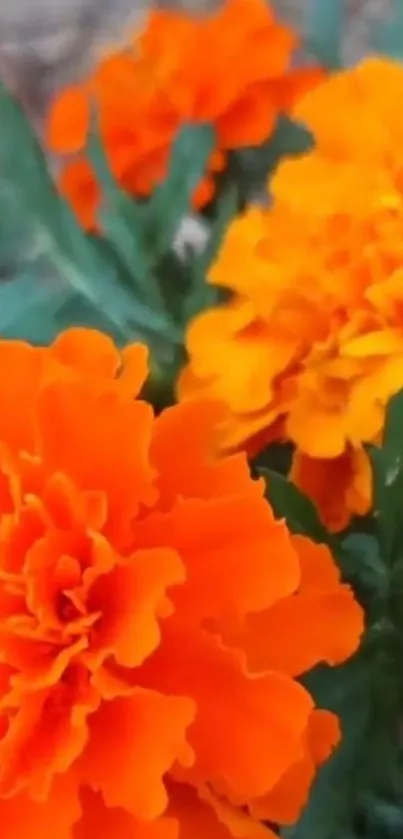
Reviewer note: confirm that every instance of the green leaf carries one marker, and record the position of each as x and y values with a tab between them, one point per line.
386	820
171	200
300	513
365	562
251	167
323	27
122	221
289	502
336	793
387	463
95	285
28	307
201	294
141	233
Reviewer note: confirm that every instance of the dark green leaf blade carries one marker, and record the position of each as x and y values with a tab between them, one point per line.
336	793
387	462
290	503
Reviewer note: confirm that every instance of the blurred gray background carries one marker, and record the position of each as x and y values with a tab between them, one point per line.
45	44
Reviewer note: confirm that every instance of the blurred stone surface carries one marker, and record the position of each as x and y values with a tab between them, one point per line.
360	16
45	44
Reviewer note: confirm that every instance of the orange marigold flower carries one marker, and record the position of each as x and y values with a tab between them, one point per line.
310	348
144	95
141	695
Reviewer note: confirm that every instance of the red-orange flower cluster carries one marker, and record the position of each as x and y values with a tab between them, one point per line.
153	615
310	347
230	69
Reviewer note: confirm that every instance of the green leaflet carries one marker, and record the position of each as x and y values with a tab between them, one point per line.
387	464
290	503
171	200
108	283
79	268
333	801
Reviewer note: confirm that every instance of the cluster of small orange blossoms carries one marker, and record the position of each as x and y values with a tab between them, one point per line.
154	616
146	93
310	347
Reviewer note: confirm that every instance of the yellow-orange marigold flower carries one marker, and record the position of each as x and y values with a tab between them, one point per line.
310	348
146	94
141	693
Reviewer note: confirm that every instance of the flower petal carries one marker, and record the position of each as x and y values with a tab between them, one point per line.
294	623
102	822
95	355
201	474
285	801
133	742
69	121
20	372
47	733
237	557
131	599
339	487
250	747
70	443
202	816
20	817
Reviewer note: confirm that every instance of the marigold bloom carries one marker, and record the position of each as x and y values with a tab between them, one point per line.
144	95
310	348
141	695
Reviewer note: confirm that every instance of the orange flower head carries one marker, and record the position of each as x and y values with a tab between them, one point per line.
310	347
145	94
141	693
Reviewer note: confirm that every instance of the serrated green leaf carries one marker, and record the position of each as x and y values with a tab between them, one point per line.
201	294
92	275
122	222
142	233
251	167
290	503
387	462
28	307
365	561
172	199
335	795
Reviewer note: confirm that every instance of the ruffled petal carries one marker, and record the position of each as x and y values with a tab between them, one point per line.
339	487
20	373
20	817
133	742
69	442
69	120
202	816
283	804
321	601
250	747
47	732
238	558
101	822
95	356
131	599
201	474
